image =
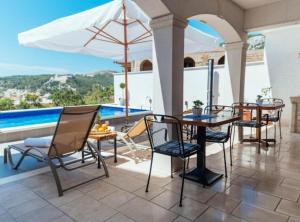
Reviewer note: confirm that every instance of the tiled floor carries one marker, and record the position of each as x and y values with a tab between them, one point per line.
260	187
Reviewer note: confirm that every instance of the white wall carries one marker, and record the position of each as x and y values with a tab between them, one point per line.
283	61
195	85
281	71
140	88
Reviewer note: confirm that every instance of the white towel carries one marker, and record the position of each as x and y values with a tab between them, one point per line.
38	142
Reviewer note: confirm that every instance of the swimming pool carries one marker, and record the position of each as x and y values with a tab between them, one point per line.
41	116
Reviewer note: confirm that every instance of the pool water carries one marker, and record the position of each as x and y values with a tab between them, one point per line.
41	116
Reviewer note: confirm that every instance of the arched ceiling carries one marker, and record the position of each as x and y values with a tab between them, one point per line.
223	15
249	15
228	33
247	4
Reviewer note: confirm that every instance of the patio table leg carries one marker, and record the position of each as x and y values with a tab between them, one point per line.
201	174
115	149
99	149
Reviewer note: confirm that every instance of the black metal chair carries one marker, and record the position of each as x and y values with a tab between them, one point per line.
219	134
165	137
275	116
249	118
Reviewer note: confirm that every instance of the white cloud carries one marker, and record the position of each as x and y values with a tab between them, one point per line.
19	69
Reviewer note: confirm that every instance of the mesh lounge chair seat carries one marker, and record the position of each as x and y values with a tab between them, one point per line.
173	148
70	136
38	153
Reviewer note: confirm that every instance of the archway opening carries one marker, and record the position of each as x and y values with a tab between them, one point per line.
146	66
189	62
221	61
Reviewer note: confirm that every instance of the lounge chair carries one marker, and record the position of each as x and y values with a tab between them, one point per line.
70	137
136	130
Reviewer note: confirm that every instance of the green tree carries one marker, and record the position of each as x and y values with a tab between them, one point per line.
23	105
6	104
93	96
66	97
99	95
108	94
33	99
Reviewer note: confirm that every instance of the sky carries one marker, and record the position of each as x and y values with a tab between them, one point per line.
21	15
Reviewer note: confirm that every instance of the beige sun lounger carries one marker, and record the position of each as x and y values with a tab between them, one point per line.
128	137
70	137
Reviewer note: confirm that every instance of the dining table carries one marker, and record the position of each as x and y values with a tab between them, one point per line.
201	174
261	109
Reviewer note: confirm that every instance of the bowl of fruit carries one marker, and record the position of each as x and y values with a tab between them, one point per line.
100	129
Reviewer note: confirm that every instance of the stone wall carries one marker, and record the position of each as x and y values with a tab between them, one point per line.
202	58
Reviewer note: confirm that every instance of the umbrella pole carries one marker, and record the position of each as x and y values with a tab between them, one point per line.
125	62
126	83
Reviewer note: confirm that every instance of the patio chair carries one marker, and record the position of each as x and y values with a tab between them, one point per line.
70	137
249	114
219	134
275	116
165	137
135	131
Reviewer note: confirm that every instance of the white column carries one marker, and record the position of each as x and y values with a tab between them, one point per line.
235	66
168	55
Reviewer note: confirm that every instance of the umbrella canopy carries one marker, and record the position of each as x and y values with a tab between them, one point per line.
71	34
118	30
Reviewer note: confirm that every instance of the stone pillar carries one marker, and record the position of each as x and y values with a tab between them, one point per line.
168	56
235	66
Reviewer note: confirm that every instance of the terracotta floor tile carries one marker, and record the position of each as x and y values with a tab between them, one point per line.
191	190
181	219
27	207
190	209
214	215
253	197
167	199
289	208
119	218
223	202
288	193
153	191
141	210
46	214
255	214
117	198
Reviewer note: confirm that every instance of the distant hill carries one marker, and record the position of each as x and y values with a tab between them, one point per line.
82	83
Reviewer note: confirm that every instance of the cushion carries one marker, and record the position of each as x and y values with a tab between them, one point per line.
172	148
216	135
245	123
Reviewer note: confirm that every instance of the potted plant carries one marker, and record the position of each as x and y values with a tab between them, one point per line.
259	99
266	92
122	100
197	108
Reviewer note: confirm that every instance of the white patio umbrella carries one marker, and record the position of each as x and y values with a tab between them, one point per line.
118	30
